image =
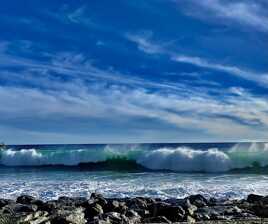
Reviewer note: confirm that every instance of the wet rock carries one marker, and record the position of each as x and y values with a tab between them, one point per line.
49	206
137	203
112	206
143	212
260	211
155	207
87	203
74	216
93	210
19	208
133	216
157	219
253	198
202	216
206	213
132	210
131	213
115	217
173	213
25	199
233	210
4	202
198	200
264	200
212	201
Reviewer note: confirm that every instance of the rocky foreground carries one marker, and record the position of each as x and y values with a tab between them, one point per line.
97	209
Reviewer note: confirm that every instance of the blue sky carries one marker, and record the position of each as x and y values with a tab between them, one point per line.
133	71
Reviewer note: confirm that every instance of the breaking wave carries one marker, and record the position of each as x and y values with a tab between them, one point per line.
180	159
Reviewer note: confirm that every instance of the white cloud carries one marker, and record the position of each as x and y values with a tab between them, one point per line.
143	42
146	45
249	13
260	78
178	106
194	112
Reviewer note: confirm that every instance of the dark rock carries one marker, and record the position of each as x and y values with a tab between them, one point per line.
96	195
155	207
207	213
198	200
202	216
87	203
111	206
74	216
49	206
66	201
115	217
264	200
260	211
253	198
131	213
157	219
137	203
93	210
19	208
233	211
143	212
4	202
40	204
173	213
115	206
101	201
25	199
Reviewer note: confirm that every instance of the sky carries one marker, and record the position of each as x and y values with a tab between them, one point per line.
133	71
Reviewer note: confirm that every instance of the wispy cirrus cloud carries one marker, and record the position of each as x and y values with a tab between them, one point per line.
122	105
247	13
148	46
126	101
260	78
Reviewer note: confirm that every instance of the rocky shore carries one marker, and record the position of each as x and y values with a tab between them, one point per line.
97	209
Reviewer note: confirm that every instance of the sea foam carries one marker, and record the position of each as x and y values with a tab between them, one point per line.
180	159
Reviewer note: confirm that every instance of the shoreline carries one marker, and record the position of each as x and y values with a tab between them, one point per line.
97	209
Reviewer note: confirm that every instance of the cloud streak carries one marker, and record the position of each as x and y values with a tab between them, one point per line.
247	13
146	45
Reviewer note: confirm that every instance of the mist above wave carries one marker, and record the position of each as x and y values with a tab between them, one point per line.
180	159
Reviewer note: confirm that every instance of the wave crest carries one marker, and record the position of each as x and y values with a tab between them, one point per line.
186	160
180	159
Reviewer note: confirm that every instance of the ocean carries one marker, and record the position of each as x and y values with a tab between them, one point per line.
220	170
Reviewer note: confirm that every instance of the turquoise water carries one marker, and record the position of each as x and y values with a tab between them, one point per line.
163	170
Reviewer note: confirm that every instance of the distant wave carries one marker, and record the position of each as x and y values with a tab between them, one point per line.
181	159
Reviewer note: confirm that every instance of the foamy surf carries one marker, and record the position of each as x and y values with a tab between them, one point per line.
179	159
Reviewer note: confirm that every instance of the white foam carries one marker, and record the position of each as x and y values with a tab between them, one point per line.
175	159
186	159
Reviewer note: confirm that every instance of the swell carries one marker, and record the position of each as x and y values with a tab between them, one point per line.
252	158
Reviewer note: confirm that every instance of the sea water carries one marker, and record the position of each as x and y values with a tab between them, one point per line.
130	170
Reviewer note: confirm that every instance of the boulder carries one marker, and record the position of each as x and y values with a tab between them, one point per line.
253	198
93	210
19	208
74	216
25	199
157	219
189	208
172	213
4	202
198	200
